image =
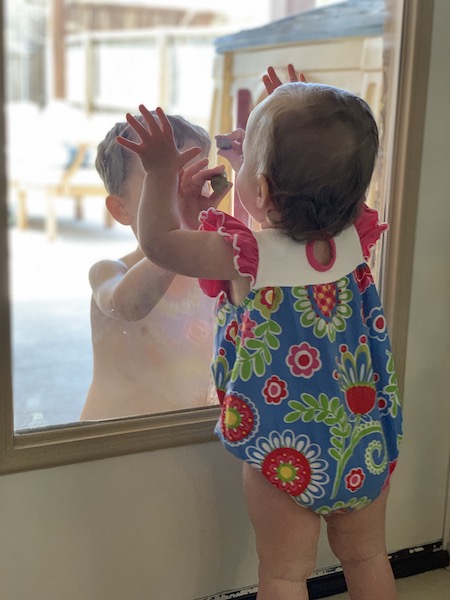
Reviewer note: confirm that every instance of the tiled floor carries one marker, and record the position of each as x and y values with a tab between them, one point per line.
433	585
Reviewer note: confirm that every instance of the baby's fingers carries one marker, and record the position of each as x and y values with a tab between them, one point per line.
138	127
292	74
216	196
195	168
166	127
133	146
188	155
153	126
271	80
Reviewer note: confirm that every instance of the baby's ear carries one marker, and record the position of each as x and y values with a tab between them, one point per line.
264	199
117	208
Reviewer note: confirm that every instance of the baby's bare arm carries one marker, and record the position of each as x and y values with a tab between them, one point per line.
204	255
128	293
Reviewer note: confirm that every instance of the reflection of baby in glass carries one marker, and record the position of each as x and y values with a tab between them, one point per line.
151	329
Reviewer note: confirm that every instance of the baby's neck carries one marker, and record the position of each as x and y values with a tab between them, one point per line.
322	252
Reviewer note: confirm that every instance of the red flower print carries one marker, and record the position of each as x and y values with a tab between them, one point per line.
376	322
363	277
237	419
220	395
275	390
232	331
354	479
303	360
382	403
268	300
360	398
268	297
246	327
325	297
288	470
221	299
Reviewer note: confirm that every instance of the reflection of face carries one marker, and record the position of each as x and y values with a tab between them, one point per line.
135	181
134	184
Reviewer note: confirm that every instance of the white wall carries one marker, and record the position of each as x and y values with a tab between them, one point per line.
171	525
419	488
158	526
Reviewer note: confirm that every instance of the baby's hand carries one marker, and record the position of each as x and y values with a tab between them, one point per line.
157	147
230	147
272	81
193	191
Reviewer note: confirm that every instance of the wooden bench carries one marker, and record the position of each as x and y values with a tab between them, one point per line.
55	168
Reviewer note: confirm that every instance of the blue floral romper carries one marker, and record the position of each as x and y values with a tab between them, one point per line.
303	366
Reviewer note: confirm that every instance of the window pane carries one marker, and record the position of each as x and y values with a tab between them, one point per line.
72	72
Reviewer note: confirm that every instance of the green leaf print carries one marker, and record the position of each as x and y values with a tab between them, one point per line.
308	416
221	316
325	307
344	434
376	447
310	400
351	505
337	442
267	355
259	365
245	368
260	330
308	318
358	432
254	344
293	417
221	370
272	342
243	355
335	453
337	431
300	411
324	402
253	354
267	301
392	387
274	327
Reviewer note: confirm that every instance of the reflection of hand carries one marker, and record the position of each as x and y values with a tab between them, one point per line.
272	81
230	147
193	191
157	149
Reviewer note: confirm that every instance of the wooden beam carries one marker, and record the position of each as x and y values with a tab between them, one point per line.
57	33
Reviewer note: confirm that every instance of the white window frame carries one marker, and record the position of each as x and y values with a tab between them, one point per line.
21	451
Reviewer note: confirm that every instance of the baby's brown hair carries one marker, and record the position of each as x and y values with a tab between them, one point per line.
316	145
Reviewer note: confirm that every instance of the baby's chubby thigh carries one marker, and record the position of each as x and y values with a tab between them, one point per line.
286	534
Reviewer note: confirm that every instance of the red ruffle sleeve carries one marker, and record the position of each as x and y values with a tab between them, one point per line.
369	229
244	245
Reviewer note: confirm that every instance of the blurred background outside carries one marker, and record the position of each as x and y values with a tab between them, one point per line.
73	68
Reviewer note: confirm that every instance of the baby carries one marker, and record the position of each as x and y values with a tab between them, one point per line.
151	329
302	358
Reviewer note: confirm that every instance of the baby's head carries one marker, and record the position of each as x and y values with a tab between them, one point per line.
316	146
121	170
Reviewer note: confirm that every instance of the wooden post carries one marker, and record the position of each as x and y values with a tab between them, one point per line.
57	31
244	108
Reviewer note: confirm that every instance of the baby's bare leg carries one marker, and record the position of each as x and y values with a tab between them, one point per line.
286	539
358	540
